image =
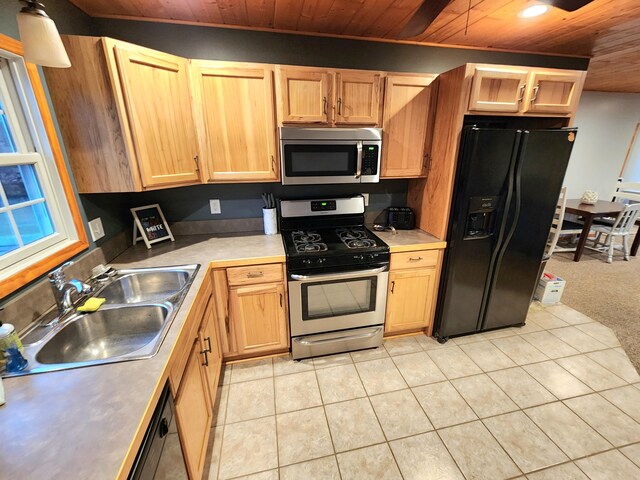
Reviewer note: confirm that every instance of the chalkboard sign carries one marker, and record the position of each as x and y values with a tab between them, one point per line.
150	225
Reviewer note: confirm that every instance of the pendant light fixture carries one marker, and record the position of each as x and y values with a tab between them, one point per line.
40	38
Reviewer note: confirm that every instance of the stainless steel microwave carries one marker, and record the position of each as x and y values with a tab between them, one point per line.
330	155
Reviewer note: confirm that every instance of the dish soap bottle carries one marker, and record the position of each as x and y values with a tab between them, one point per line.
9	338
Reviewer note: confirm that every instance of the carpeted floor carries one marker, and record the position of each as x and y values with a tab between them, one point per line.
609	293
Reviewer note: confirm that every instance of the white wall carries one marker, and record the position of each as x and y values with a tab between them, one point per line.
606	122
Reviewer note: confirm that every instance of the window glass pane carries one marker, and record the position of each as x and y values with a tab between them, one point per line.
8	240
34	222
20	183
7	145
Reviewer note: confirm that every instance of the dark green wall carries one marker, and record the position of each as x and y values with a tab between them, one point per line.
253	46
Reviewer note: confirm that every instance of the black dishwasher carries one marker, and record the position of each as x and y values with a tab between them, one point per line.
160	455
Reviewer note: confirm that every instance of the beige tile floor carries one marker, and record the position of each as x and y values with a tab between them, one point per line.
557	399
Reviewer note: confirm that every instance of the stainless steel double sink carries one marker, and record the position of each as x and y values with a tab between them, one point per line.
131	325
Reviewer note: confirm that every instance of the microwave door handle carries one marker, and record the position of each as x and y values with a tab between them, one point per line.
359	160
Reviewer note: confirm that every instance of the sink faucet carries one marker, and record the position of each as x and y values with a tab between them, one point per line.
63	289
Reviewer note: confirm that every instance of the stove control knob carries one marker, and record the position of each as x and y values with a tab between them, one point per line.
358	257
320	261
307	261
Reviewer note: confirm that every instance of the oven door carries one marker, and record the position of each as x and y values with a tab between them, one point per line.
337	301
317	162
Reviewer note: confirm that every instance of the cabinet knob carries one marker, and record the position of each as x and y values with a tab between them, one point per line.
415	259
324	105
196	159
255	274
393	286
339	106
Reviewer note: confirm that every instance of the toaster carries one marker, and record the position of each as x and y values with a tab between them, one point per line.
401	218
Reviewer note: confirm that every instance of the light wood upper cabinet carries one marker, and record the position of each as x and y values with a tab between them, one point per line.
497	89
155	88
194	412
304	95
307	95
125	116
412	291
406	125
525	91
234	109
357	98
258	313
553	92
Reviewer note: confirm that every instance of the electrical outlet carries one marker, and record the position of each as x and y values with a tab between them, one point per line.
97	231
214	205
366	199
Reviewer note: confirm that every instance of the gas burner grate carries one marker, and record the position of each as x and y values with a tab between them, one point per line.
355	238
305	242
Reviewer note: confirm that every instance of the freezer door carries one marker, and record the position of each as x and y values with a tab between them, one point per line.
487	156
540	170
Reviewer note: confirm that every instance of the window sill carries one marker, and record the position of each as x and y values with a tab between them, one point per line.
31	272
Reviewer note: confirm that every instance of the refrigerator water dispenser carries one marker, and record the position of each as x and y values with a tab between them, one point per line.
481	217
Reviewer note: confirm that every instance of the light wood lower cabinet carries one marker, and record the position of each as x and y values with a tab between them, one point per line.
412	291
251	308
194	412
194	378
258	314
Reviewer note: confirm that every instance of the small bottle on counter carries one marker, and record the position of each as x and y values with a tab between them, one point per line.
9	338
11	349
1	393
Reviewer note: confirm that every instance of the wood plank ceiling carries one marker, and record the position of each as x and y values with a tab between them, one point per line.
607	30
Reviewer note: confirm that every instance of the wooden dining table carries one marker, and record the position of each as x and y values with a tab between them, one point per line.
589	213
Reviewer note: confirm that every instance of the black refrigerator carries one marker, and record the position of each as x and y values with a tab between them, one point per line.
505	194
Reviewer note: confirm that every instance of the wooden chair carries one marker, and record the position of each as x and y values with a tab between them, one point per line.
621	228
560	226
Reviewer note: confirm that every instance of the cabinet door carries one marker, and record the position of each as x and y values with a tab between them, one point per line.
357	98
497	90
259	318
210	343
304	96
235	108
194	413
156	93
554	92
410	299
405	124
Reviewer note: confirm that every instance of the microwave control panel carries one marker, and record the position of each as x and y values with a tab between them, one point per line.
370	156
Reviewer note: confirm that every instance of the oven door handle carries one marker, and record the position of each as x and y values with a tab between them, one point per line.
348	337
359	159
337	276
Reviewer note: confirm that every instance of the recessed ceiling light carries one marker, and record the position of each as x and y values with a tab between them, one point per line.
534	11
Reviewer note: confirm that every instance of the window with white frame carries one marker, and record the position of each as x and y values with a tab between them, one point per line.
35	218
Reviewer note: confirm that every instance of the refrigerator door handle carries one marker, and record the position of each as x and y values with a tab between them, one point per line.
516	216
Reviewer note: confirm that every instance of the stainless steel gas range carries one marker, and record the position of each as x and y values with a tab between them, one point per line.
337	276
